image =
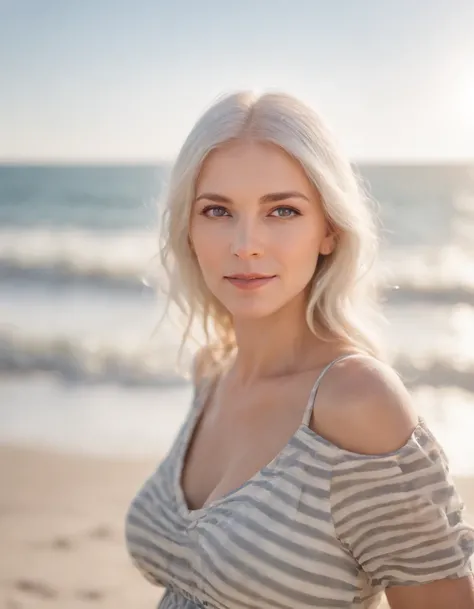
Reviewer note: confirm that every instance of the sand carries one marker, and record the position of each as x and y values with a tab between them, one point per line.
61	531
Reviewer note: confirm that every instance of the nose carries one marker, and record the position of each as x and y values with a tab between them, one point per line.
246	242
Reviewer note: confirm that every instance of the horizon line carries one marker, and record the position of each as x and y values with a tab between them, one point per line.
68	162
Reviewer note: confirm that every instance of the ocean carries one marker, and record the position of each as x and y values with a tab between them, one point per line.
84	365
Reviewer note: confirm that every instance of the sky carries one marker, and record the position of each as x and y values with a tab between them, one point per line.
124	80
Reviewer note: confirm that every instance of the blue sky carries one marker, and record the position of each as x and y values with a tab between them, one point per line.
125	80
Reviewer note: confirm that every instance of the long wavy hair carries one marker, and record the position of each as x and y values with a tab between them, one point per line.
342	302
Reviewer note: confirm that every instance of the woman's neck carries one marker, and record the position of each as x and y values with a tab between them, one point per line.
277	345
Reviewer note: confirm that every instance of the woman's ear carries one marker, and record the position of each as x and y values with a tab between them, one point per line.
328	244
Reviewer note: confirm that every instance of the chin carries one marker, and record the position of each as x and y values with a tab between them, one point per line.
253	311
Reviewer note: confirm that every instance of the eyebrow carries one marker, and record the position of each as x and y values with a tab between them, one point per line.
272	197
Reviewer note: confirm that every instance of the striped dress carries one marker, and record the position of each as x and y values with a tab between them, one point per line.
318	527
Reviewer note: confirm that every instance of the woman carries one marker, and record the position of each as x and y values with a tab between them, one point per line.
302	476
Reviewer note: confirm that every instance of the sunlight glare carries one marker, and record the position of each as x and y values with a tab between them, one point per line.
466	101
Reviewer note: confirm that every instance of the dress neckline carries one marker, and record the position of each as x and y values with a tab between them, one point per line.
201	398
324	445
183	506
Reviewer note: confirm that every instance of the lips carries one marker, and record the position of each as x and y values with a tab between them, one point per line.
249	281
249	276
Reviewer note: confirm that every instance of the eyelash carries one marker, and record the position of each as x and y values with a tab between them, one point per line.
205	211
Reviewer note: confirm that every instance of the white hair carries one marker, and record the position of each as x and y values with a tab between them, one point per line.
343	298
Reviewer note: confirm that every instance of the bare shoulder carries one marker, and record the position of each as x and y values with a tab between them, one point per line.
363	406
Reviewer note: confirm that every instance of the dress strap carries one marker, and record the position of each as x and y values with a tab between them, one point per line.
312	396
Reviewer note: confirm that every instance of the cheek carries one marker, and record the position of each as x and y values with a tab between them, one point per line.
210	248
299	251
209	245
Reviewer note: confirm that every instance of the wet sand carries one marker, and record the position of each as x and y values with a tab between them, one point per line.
61	531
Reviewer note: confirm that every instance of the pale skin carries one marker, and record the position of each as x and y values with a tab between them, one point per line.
255	211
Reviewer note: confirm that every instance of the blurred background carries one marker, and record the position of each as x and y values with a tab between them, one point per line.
96	98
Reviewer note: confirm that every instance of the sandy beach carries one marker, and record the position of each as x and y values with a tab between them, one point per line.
62	531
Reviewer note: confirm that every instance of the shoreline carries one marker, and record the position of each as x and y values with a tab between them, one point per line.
62	528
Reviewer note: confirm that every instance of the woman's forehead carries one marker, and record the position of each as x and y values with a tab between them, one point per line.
260	165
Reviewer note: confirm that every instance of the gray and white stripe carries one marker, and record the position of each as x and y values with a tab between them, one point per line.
318	527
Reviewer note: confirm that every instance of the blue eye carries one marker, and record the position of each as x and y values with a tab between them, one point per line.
285	212
214	211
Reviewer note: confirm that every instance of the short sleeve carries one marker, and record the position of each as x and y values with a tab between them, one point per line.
400	515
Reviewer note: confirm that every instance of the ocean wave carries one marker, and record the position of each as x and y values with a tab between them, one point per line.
73	361
61	274
127	259
435	371
441	274
435	294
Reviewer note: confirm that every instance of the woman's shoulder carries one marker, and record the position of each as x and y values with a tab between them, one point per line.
394	504
363	406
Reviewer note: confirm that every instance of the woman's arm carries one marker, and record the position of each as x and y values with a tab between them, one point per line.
442	594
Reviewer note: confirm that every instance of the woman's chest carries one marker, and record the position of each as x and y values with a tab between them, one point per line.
228	445
269	543
156	534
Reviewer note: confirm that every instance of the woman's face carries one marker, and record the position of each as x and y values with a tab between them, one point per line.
257	228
